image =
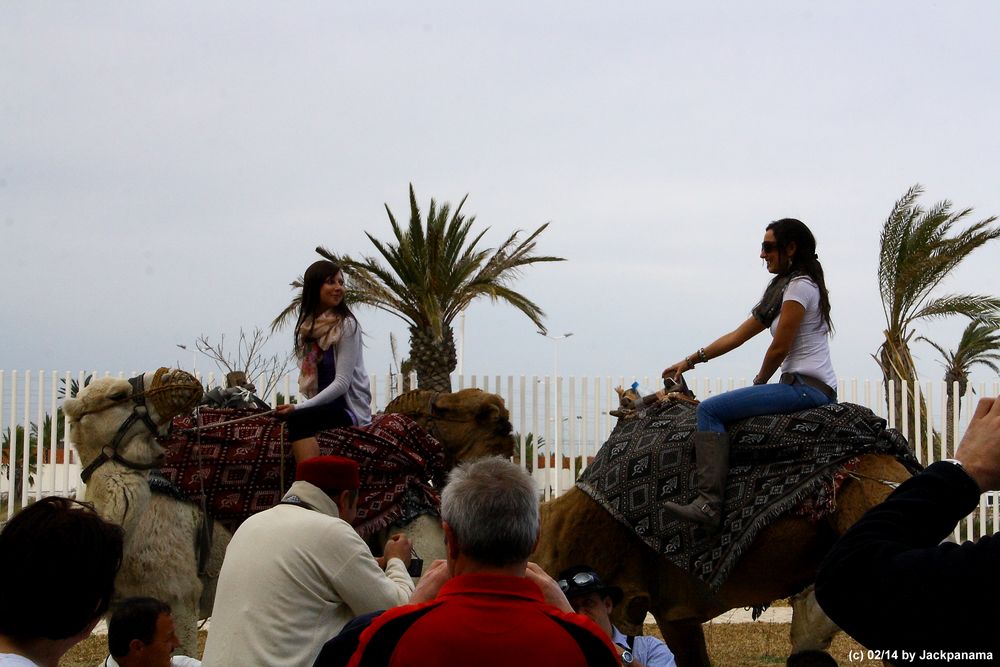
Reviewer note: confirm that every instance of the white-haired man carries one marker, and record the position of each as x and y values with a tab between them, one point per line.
493	607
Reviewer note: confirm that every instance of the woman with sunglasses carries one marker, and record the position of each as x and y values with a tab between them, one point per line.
796	308
332	373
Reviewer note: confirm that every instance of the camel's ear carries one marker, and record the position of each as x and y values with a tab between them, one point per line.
73	407
488	412
438	407
453	402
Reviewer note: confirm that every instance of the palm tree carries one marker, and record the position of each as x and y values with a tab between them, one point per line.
432	272
980	344
916	254
27	450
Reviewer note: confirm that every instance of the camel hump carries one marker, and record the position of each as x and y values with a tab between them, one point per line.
413	402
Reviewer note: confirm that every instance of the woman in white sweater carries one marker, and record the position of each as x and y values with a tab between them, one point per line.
332	373
796	308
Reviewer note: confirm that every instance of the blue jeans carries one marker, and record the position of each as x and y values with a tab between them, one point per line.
715	413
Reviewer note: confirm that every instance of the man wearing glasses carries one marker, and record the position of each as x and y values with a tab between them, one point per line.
590	597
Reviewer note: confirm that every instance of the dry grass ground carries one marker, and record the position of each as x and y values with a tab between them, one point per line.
91	652
729	645
758	644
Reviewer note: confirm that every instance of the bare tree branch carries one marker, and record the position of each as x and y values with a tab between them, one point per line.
264	372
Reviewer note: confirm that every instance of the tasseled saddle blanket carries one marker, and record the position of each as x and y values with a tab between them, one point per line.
778	463
241	468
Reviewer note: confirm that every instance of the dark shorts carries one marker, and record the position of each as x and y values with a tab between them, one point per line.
307	422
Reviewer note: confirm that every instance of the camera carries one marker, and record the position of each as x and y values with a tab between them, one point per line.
416	566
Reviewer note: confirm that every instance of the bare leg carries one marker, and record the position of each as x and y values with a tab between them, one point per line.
306	448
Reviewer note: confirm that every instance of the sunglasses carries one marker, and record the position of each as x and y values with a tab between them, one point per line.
581	579
768	246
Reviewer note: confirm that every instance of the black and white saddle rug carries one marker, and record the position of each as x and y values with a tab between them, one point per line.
778	463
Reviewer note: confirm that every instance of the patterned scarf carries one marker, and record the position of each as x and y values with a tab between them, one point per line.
770	304
315	336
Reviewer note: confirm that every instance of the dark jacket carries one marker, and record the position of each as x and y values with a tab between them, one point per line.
890	584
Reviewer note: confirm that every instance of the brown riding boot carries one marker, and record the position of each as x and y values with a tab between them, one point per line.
711	457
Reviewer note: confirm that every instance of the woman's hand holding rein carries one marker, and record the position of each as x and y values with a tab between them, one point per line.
674	371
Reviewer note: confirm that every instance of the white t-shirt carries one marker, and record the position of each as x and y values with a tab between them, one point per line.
810	353
13	660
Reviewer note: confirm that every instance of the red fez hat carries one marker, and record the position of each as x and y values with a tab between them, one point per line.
329	472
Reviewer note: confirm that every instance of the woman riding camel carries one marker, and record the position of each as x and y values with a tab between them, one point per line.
332	372
796	308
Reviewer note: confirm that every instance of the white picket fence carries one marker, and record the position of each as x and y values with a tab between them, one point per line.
568	418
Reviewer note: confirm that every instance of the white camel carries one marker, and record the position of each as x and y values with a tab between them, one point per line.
116	438
113	423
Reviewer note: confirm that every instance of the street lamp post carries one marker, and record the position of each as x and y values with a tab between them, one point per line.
556	399
555	349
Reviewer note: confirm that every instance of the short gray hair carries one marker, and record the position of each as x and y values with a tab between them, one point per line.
491	506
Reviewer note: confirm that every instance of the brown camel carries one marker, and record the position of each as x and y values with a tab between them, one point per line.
781	562
469	423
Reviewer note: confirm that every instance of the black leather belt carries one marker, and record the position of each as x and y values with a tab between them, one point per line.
799	378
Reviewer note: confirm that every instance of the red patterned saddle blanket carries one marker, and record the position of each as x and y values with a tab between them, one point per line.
242	468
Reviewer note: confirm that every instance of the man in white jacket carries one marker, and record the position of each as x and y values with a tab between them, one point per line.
295	574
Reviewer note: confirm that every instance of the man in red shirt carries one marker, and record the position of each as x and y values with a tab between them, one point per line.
486	605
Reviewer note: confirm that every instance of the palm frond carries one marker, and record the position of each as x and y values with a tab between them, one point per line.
978	346
976	307
432	268
917	251
289	312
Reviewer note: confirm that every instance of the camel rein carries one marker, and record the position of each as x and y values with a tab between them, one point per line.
858	476
200	427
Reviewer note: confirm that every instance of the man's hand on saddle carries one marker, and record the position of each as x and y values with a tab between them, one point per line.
398	546
282	411
979	451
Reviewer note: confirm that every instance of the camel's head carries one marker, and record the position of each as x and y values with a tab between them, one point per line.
469	423
124	416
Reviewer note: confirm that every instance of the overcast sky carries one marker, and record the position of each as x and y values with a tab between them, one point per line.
167	168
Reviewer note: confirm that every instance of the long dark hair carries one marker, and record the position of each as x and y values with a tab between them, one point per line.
804	261
316	275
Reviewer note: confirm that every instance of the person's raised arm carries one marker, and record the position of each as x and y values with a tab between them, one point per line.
892	561
550	589
718	347
979	451
434	577
359	581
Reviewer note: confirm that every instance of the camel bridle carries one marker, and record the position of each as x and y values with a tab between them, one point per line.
166	398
